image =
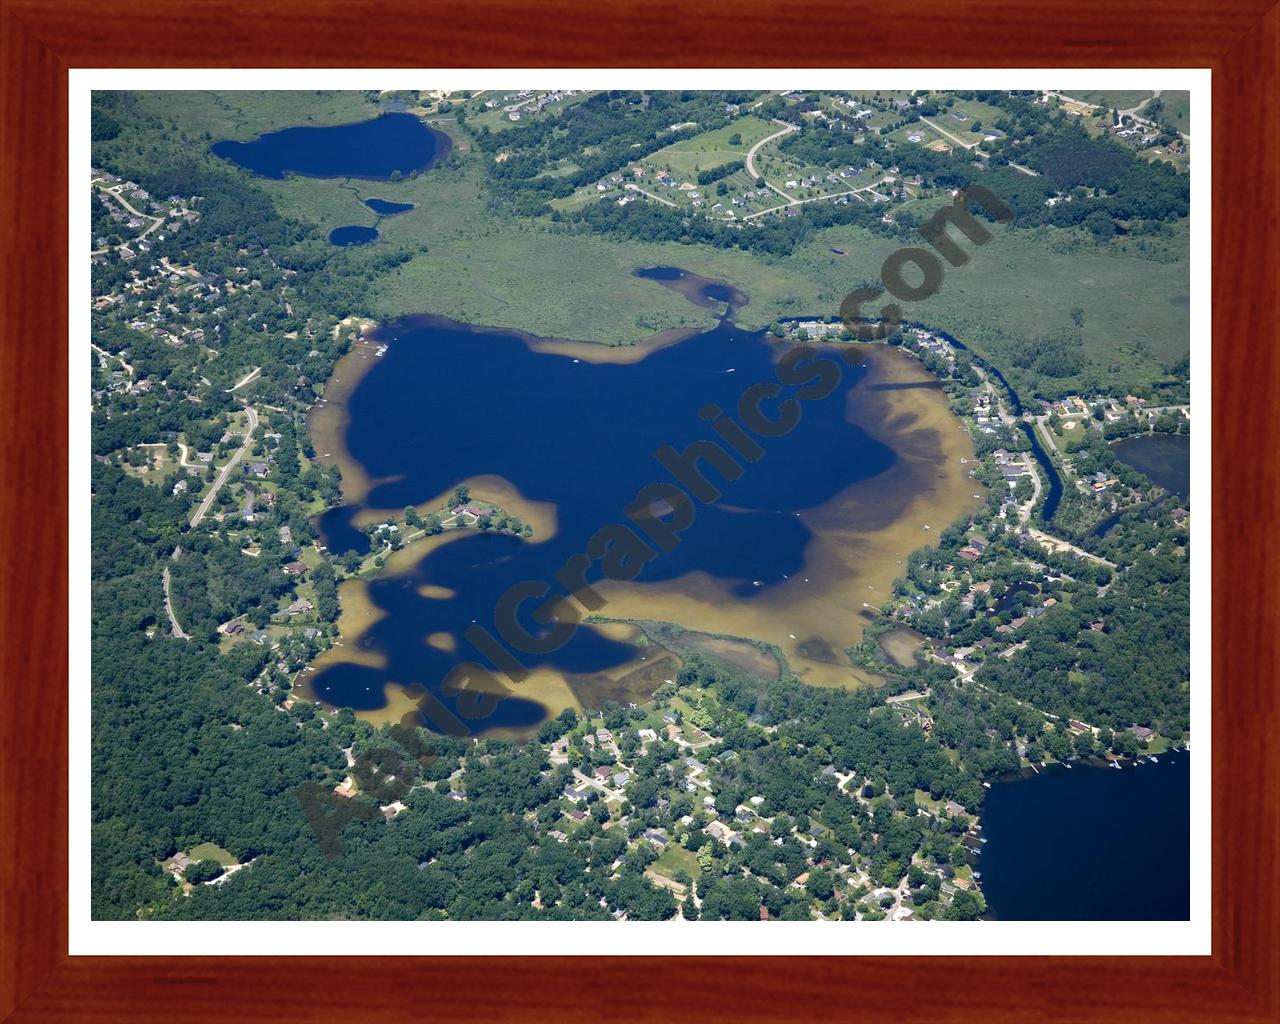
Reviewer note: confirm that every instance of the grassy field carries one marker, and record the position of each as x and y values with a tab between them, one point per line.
1177	109
243	115
211	851
973	112
1115	99
711	149
676	858
1019	286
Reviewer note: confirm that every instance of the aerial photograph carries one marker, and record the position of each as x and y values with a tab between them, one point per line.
640	505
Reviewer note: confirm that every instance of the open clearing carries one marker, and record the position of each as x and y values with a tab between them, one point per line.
711	149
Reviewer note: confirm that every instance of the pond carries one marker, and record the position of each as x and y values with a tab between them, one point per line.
563	435
1165	459
702	291
386	208
391	145
1090	843
353	234
1015	592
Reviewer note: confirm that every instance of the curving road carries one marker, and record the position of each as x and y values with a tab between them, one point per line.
787	129
118	197
1129	112
168	604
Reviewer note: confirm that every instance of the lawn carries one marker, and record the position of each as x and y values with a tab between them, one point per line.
974	113
676	858
243	115
711	149
1177	110
211	851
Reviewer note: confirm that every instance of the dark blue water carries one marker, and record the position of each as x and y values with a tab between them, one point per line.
386	208
374	149
1053	491
353	234
446	403
1165	459
340	534
1090	844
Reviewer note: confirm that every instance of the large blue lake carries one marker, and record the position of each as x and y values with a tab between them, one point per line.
446	403
376	149
1090	843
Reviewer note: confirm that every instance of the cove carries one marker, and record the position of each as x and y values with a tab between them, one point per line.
1164	458
563	434
1090	843
377	149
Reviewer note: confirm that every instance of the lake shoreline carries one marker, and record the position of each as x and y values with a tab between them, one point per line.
859	538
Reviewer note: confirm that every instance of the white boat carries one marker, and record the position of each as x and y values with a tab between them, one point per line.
1115	765
1155	760
986	785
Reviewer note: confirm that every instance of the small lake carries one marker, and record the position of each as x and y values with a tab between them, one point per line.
376	149
386	208
353	234
1165	459
1090	843
702	291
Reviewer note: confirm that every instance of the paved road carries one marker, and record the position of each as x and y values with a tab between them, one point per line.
856	192
1024	511
111	355
168	604
1058	544
645	192
954	138
752	173
226	470
155	221
1042	422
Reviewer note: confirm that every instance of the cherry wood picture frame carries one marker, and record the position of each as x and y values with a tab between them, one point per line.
41	39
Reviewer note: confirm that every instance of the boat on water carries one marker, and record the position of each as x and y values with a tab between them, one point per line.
1115	765
1155	760
986	785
